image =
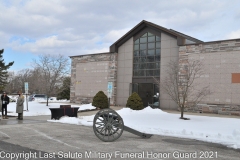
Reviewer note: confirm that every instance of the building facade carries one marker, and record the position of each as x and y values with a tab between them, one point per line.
145	52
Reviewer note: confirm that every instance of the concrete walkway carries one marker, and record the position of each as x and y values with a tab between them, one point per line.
50	138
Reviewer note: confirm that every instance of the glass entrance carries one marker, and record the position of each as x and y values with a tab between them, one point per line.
147	91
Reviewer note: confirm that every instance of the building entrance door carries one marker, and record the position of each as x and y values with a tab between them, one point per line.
145	91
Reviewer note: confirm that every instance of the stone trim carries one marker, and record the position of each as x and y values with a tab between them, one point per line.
217	109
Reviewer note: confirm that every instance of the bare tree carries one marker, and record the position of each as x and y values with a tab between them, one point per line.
179	84
16	81
35	81
52	69
10	85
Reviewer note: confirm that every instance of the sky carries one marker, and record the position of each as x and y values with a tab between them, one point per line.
156	122
29	28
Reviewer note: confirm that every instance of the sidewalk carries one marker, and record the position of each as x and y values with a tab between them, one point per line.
26	120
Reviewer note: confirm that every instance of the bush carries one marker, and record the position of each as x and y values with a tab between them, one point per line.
135	102
100	100
64	90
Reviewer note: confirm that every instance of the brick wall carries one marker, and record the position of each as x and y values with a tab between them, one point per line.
91	73
220	59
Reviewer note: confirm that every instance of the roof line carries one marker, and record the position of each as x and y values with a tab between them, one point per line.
218	41
89	54
186	36
142	25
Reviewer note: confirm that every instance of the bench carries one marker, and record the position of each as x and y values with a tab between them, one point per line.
64	110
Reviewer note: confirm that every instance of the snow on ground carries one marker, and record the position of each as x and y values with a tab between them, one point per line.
225	131
36	108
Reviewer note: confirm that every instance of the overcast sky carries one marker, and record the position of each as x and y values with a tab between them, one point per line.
74	27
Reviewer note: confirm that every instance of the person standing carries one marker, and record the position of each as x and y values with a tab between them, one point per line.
19	106
0	105
5	102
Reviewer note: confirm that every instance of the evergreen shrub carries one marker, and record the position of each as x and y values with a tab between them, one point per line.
135	102
100	100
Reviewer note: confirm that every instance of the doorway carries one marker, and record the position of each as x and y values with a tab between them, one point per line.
148	92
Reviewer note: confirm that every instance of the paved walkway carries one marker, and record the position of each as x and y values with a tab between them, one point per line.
48	138
53	140
26	120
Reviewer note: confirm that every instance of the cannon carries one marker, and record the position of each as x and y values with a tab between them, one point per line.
108	126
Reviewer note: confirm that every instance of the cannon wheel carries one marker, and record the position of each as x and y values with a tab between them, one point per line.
108	125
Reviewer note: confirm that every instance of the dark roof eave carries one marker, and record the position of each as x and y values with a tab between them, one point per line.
89	54
187	37
143	24
237	40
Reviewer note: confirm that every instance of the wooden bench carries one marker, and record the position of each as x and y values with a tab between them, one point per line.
64	110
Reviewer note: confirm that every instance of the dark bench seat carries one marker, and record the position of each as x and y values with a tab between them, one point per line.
64	110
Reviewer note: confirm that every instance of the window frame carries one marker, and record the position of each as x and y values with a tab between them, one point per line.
144	56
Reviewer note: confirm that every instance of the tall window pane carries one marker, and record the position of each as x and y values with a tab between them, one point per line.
151	52
143	52
136	47
158	51
143	40
150	59
150	34
157	65
151	39
142	59
137	41
135	60
143	66
151	45
141	72
149	72
145	35
157	58
157	73
135	73
150	65
136	53
158	45
136	66
143	46
146	55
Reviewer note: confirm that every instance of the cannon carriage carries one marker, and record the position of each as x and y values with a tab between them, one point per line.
108	126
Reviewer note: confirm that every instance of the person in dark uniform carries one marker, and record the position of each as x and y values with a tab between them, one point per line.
5	102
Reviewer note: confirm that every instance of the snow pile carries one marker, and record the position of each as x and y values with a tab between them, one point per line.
154	121
35	108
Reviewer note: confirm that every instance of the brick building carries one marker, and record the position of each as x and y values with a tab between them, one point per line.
144	52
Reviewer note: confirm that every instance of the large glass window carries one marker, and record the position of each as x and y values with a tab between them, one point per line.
146	60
